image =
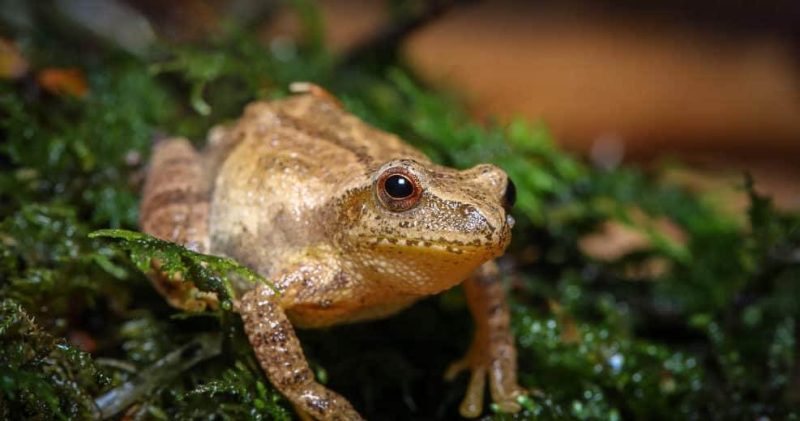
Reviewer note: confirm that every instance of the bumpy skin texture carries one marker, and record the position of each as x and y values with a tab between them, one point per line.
295	190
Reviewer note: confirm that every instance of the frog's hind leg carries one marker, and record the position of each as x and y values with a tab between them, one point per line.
175	208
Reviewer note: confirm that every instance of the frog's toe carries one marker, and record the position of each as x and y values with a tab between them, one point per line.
505	391
456	368
472	405
503	387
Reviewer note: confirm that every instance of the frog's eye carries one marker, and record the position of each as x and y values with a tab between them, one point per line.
398	189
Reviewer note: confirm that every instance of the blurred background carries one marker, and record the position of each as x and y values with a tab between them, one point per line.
714	84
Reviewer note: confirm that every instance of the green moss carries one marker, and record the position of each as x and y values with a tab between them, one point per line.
713	337
42	377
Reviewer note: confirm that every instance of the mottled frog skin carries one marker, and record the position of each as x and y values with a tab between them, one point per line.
349	223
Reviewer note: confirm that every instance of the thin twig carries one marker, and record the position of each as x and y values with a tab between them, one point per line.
160	373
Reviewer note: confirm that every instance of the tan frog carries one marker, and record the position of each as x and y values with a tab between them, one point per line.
349	223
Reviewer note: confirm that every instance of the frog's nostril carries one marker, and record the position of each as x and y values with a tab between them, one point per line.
510	195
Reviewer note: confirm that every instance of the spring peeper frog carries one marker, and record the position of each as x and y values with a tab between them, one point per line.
349	223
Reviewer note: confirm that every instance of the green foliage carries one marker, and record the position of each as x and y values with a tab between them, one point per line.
208	273
42	377
713	336
616	376
240	393
225	74
67	150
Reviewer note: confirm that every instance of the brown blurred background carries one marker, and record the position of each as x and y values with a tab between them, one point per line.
716	84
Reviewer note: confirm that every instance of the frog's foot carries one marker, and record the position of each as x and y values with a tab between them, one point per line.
180	293
502	380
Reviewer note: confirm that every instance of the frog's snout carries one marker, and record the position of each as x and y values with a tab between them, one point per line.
500	194
497	184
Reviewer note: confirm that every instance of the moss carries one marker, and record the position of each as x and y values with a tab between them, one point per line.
42	377
209	273
713	337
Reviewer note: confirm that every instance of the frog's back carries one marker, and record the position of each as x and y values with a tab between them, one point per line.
280	164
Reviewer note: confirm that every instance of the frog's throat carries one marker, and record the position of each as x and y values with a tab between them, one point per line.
422	268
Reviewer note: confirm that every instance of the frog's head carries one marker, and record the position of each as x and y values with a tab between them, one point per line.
422	227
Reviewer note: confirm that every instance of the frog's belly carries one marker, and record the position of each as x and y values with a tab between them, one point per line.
318	315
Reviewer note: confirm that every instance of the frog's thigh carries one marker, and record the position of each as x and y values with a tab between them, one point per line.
280	355
175	198
492	352
175	208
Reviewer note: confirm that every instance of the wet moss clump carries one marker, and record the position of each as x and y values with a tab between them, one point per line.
711	334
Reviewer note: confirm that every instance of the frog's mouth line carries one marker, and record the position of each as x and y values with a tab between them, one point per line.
438	245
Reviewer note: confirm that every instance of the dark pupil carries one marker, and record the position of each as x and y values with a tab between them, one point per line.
398	187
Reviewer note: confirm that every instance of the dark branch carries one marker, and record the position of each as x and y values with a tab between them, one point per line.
388	39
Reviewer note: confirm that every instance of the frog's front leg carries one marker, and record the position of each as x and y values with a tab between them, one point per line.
279	352
492	352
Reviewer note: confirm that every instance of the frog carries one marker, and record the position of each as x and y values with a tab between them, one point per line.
347	223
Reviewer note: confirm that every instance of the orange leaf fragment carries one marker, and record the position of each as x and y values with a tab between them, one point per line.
61	81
